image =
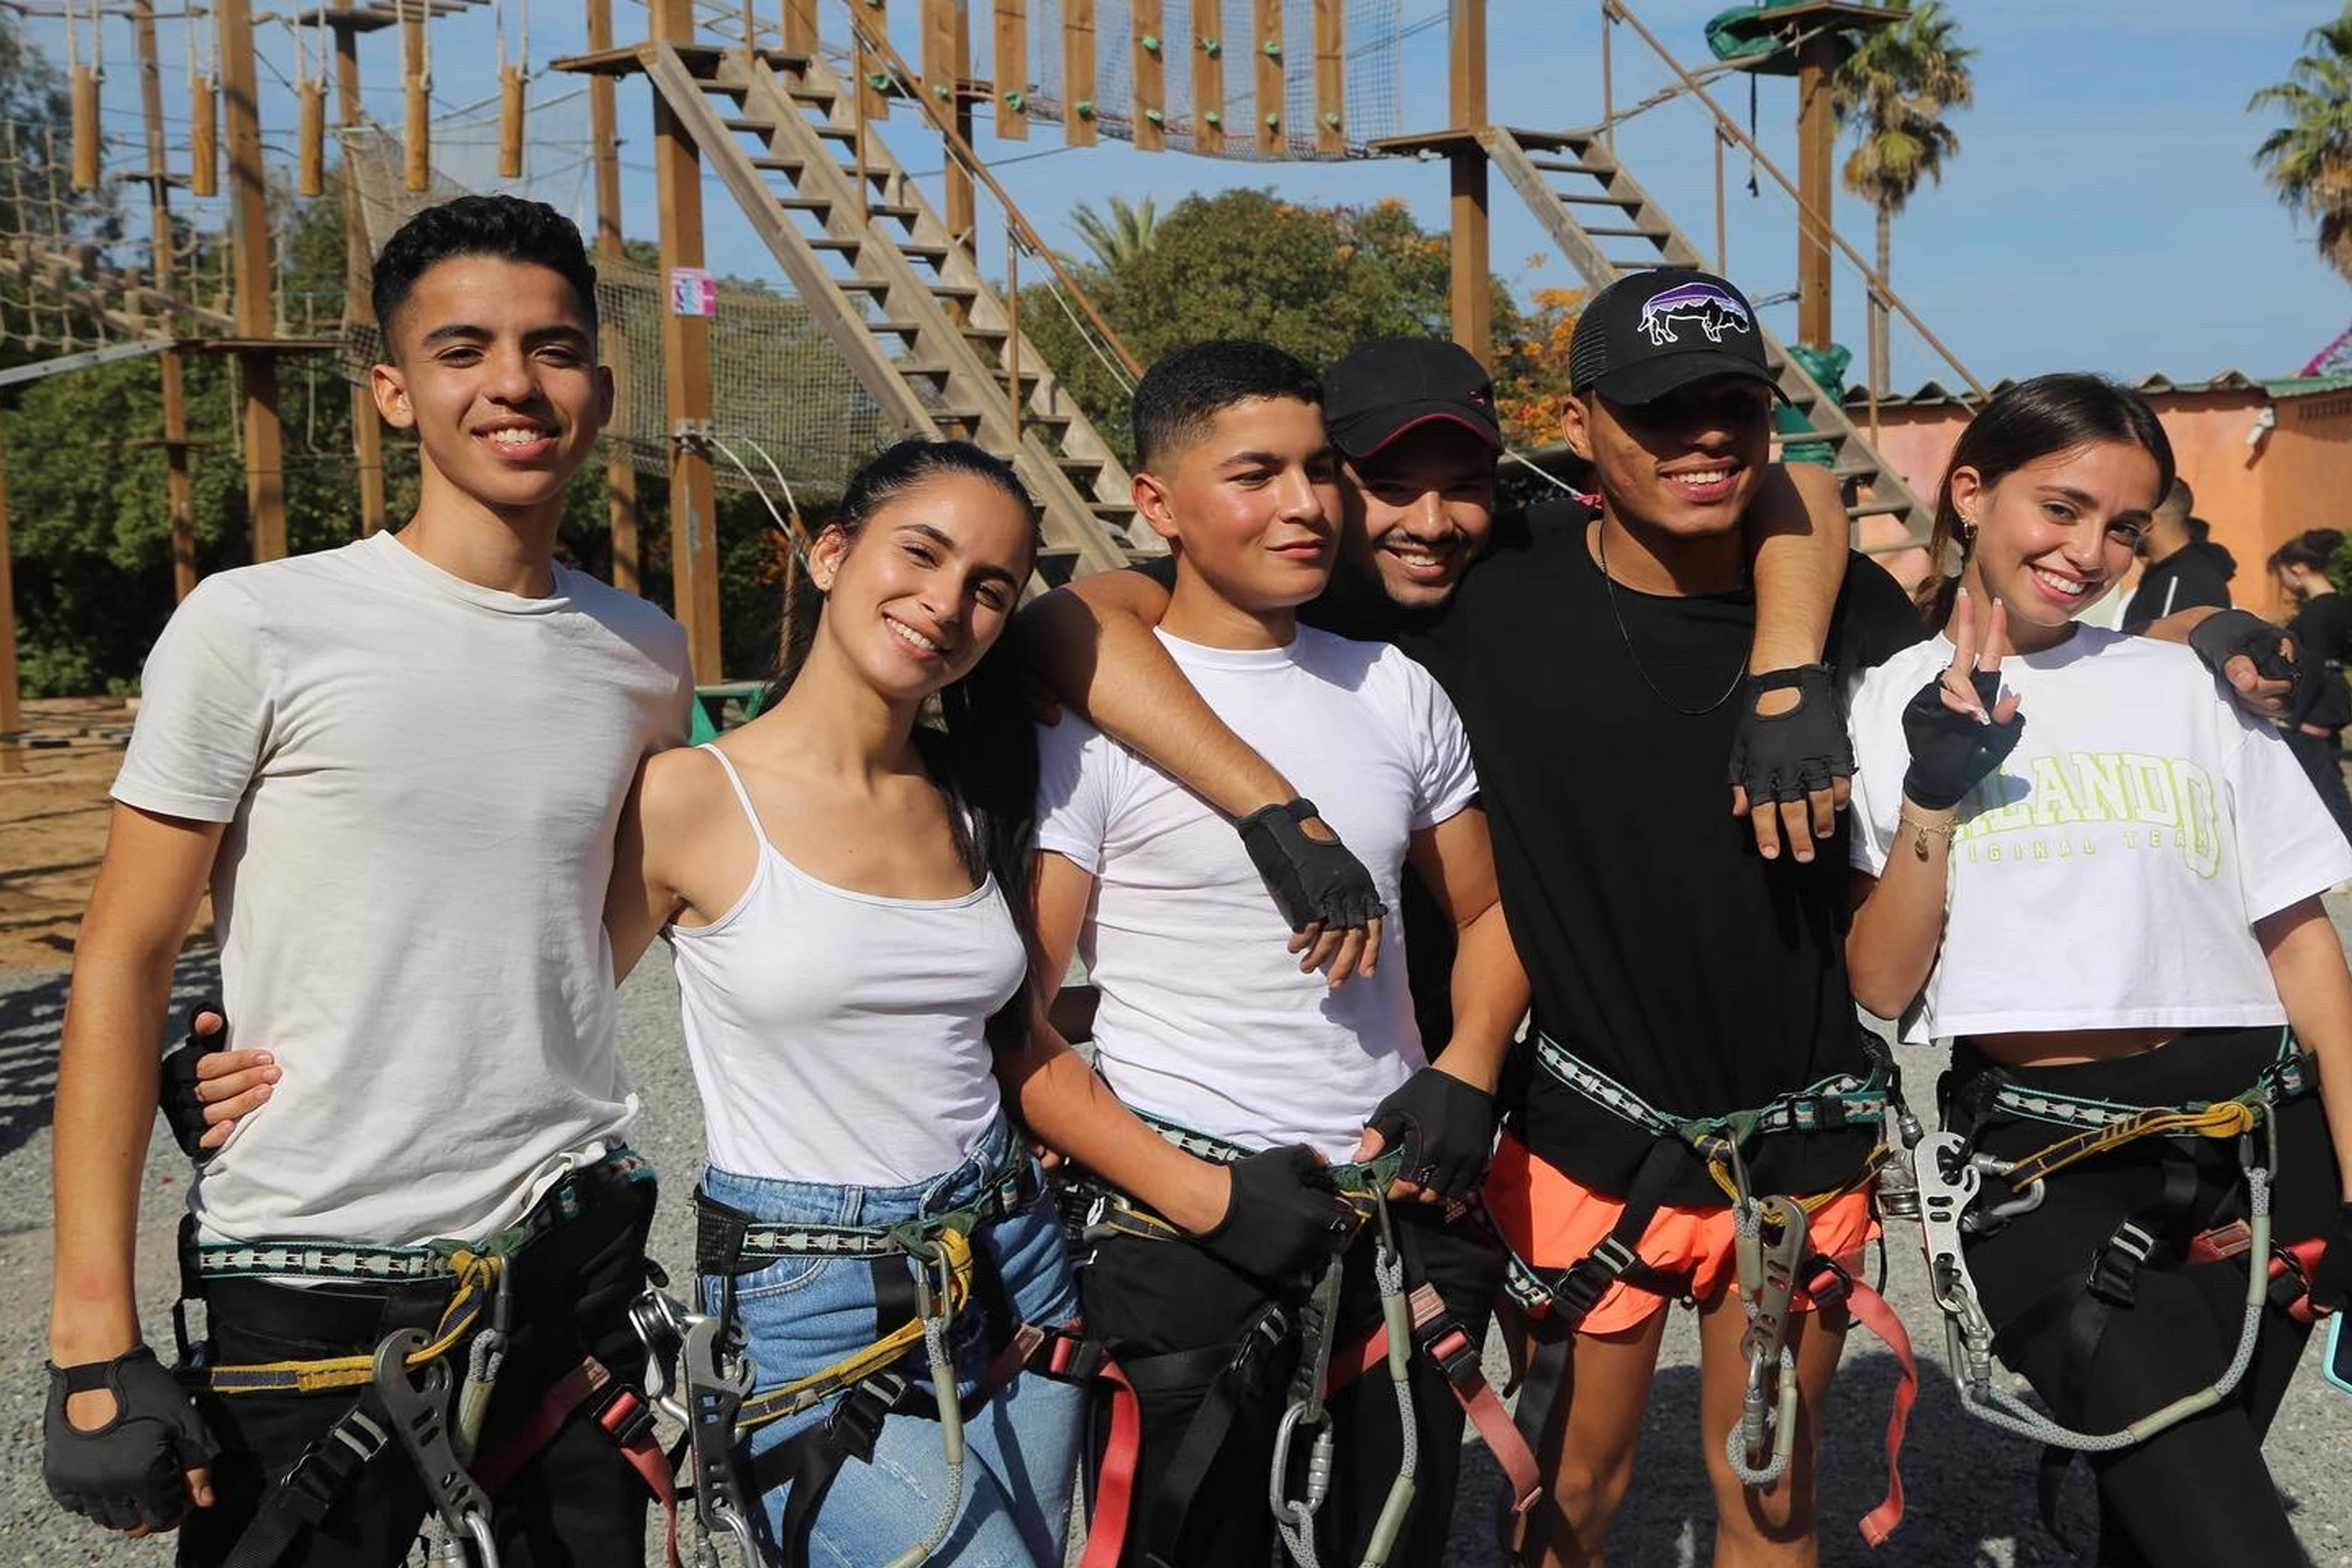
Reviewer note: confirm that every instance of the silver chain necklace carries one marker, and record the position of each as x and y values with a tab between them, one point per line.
1609	586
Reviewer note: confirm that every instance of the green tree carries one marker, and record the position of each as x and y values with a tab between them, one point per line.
2308	161
1121	239
1315	281
1893	90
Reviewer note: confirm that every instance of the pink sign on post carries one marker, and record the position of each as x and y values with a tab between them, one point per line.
693	291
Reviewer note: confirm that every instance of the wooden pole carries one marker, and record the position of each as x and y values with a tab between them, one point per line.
620	464
1012	79
1330	76
1272	133
1816	139
179	494
944	63
87	134
359	274
685	372
1149	56
1208	77
510	122
416	86
310	138
1473	323
204	134
12	712
1078	72
1012	330
249	245
873	103
800	25
1722	229
1608	79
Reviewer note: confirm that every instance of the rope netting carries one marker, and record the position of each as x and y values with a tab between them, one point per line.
778	384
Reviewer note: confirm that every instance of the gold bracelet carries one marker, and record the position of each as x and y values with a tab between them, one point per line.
1921	831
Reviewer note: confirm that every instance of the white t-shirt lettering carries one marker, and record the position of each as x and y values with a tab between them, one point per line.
1205	1020
421	779
2108	877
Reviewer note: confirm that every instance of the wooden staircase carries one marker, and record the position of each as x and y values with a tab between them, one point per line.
1606	224
928	338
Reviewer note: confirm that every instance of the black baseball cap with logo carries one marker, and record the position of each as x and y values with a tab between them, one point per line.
1650	332
1391	386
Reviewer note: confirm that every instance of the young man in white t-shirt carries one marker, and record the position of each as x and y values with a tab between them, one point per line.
398	765
1208	1030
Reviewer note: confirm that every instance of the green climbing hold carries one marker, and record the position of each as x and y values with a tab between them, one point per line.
1151	41
1827	367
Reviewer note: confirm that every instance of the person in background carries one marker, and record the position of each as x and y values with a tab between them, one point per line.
2322	623
2180	575
2200	535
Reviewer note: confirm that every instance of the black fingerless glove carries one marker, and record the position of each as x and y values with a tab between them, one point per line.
1783	756
1312	882
1282	1219
2225	634
133	1471
175	1088
1951	753
2332	1280
1446	1128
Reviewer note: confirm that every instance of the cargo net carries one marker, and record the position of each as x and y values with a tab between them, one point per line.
1370	36
784	402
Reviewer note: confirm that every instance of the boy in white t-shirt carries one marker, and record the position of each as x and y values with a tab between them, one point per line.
1207	1029
399	765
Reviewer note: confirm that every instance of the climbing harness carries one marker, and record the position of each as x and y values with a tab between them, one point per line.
1951	1175
403	1389
926	1274
1770	1253
1412	1321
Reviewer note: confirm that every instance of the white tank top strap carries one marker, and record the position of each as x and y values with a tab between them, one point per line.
742	795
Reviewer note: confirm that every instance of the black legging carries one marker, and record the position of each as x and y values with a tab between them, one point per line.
2199	1494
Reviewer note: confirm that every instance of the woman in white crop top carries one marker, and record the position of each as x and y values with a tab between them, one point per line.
2102	884
846	889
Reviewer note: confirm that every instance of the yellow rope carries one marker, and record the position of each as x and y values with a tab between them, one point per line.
478	1276
2224	1119
777	1403
1720	1169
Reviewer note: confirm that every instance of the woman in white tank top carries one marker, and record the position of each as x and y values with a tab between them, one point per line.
847	892
2102	885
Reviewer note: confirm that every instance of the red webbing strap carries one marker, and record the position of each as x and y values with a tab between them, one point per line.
1115	1478
1457	1358
2232	1240
1871	1310
572	1390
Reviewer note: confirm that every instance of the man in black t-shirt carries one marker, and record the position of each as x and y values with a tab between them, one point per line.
2181	574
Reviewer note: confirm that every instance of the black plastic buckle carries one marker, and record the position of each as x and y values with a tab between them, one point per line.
855	1423
2114	1268
1459	1360
327	1467
1825	1280
1263	1343
624	1415
2290	1282
1588	1280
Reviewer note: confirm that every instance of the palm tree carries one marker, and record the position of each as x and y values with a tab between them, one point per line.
1895	87
2309	158
1120	240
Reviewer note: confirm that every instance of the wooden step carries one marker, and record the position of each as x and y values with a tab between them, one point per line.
1600	199
750	124
1877	508
1600	230
779	164
1567	166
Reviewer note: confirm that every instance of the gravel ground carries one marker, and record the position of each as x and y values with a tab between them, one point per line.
1970	1488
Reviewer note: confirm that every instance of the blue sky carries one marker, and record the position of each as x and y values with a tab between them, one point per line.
2104	211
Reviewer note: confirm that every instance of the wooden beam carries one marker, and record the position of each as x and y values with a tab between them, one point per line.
12	712
249	245
1267	52
685	375
416	88
1330	76
359	277
1012	79
1078	72
1149	62
1472	271
1208	77
800	25
872	99
621	513
1816	140
945	62
179	493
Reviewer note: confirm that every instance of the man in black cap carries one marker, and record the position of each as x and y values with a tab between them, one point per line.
1696	964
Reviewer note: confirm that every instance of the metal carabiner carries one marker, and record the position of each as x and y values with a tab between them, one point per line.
716	1378
420	1416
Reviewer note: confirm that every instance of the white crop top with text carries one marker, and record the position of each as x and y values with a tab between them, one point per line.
2109	875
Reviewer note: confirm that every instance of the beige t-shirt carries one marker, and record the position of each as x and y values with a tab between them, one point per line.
421	779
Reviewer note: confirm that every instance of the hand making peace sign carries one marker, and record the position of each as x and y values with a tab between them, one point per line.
1961	725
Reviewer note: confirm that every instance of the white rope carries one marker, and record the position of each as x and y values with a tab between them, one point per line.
1541	472
782	527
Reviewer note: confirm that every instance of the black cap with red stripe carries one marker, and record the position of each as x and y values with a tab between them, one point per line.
1396	385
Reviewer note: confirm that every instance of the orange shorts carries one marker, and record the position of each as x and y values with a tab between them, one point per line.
1550	1220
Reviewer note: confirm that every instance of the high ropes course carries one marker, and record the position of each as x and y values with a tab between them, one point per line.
149	215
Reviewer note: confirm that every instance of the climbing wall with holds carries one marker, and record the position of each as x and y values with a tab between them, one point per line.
1229	79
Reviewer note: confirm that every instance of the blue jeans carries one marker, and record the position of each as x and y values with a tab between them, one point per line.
802	1314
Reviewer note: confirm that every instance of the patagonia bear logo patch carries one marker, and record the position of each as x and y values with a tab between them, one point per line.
1700	305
